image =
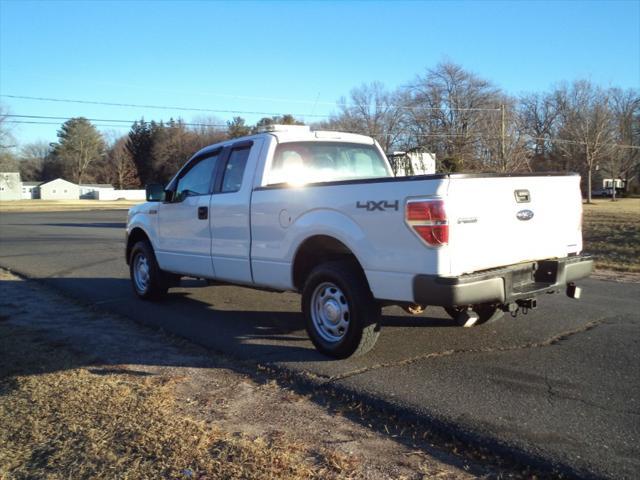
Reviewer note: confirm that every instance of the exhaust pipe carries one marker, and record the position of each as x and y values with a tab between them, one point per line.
467	318
573	291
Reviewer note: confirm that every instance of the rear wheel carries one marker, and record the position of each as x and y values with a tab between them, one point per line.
148	281
341	315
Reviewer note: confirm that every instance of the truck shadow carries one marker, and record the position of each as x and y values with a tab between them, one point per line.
254	333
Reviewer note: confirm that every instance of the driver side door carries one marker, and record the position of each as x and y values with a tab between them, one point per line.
184	242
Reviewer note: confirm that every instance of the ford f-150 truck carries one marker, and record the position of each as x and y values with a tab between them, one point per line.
321	213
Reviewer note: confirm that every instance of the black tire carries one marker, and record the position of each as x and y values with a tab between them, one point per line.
339	289
486	313
157	282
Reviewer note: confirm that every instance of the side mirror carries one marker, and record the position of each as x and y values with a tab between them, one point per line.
156	193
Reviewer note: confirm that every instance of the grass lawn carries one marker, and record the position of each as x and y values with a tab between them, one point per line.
611	232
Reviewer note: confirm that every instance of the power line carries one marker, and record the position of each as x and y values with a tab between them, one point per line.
111	120
158	107
244	112
480	135
58	123
429	135
576	142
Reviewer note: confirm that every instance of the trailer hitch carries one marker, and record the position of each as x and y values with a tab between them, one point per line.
523	305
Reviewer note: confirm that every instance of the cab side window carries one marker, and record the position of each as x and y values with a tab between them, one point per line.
234	170
197	180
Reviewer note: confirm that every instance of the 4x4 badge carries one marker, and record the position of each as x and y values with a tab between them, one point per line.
382	205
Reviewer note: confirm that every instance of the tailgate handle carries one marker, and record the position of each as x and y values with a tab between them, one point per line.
522	196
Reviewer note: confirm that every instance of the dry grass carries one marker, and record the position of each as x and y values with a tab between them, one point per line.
611	232
64	205
59	421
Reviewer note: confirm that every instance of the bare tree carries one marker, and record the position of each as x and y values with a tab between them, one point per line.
209	130
537	121
8	161
6	138
624	162
119	168
452	113
33	157
371	110
586	133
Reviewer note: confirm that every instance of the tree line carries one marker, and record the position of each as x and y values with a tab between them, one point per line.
467	121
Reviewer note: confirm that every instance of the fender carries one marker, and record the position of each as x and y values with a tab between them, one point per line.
272	260
141	217
330	223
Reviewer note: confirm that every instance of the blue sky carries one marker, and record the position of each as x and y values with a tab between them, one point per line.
291	57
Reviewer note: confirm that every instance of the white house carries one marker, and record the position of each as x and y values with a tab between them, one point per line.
10	186
59	189
30	190
122	195
92	190
413	163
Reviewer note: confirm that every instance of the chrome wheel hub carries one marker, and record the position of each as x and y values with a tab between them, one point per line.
330	312
141	274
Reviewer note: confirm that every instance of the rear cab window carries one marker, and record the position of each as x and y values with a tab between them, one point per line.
234	168
299	163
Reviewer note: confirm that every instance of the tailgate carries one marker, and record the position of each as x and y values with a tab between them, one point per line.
501	220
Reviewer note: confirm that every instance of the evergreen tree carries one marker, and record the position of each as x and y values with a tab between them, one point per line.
237	128
286	119
79	145
140	146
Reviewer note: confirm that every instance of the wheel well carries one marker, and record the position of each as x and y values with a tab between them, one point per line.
136	235
316	250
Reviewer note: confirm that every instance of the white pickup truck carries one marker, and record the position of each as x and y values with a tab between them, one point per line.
321	213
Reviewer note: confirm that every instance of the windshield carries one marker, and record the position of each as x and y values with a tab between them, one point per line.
298	163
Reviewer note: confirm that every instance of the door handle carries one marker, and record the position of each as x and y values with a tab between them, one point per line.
203	213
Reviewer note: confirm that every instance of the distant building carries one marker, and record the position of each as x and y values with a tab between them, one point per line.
59	189
30	190
412	163
10	186
93	190
122	195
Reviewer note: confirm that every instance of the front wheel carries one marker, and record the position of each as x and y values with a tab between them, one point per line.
148	281
341	315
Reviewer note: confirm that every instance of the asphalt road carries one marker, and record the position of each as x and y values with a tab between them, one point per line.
562	383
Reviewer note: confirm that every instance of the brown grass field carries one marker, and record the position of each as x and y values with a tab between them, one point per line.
70	423
64	205
611	232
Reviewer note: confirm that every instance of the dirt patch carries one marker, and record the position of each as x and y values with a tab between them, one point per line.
85	394
614	276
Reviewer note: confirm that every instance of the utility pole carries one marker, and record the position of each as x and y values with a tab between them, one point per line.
502	139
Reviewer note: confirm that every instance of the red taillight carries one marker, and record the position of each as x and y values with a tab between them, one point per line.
428	219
